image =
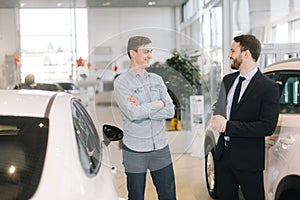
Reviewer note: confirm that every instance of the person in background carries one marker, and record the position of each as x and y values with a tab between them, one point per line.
145	104
29	82
246	111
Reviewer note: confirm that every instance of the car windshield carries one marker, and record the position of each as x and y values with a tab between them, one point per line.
23	143
49	87
68	86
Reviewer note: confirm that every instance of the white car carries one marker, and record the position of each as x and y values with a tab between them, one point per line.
51	148
283	164
282	173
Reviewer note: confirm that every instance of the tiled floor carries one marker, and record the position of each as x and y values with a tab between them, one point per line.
189	170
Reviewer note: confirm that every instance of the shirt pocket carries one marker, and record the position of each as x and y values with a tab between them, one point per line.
155	92
139	94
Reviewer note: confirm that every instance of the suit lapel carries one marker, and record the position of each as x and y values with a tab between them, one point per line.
229	82
251	87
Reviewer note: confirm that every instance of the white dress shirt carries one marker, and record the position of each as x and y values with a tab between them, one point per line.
245	84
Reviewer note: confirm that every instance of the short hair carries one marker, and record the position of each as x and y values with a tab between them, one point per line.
135	42
29	79
251	43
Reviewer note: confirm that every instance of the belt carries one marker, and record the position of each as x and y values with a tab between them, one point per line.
226	140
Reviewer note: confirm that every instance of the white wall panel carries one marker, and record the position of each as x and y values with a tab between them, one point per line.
111	27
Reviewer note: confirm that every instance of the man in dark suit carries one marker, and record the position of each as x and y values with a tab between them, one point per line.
245	113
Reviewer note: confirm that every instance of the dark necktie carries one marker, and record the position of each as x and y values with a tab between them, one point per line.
236	94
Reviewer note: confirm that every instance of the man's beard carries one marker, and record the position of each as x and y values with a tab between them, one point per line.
236	63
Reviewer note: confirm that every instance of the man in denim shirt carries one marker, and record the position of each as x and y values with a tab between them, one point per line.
145	104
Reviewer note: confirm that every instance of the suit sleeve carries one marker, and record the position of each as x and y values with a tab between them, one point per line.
220	105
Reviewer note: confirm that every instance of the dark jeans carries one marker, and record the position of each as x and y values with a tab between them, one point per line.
162	174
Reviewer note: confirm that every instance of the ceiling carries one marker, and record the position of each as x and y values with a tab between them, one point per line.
88	3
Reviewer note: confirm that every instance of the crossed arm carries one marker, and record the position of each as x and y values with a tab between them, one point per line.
135	110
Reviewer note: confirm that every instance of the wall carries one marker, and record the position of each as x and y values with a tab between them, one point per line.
110	28
9	43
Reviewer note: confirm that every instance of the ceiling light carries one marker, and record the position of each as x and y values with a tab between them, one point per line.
22	4
151	3
106	3
59	4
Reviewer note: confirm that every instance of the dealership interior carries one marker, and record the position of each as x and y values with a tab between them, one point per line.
85	41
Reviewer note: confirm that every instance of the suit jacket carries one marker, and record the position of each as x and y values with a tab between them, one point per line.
255	117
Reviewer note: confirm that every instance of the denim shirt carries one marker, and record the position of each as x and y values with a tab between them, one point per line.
144	124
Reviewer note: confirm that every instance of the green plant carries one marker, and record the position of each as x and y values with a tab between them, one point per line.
184	65
180	76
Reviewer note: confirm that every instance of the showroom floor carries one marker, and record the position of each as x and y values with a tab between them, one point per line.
189	170
189	177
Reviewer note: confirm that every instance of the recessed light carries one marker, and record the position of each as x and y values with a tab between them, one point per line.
106	3
22	4
59	4
151	3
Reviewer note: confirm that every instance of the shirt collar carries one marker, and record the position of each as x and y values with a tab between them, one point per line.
133	73
250	74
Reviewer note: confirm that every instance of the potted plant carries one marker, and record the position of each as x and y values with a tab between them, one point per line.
182	79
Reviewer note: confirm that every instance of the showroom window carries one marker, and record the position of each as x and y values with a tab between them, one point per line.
51	40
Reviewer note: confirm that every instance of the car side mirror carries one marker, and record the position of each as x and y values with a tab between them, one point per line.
111	133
